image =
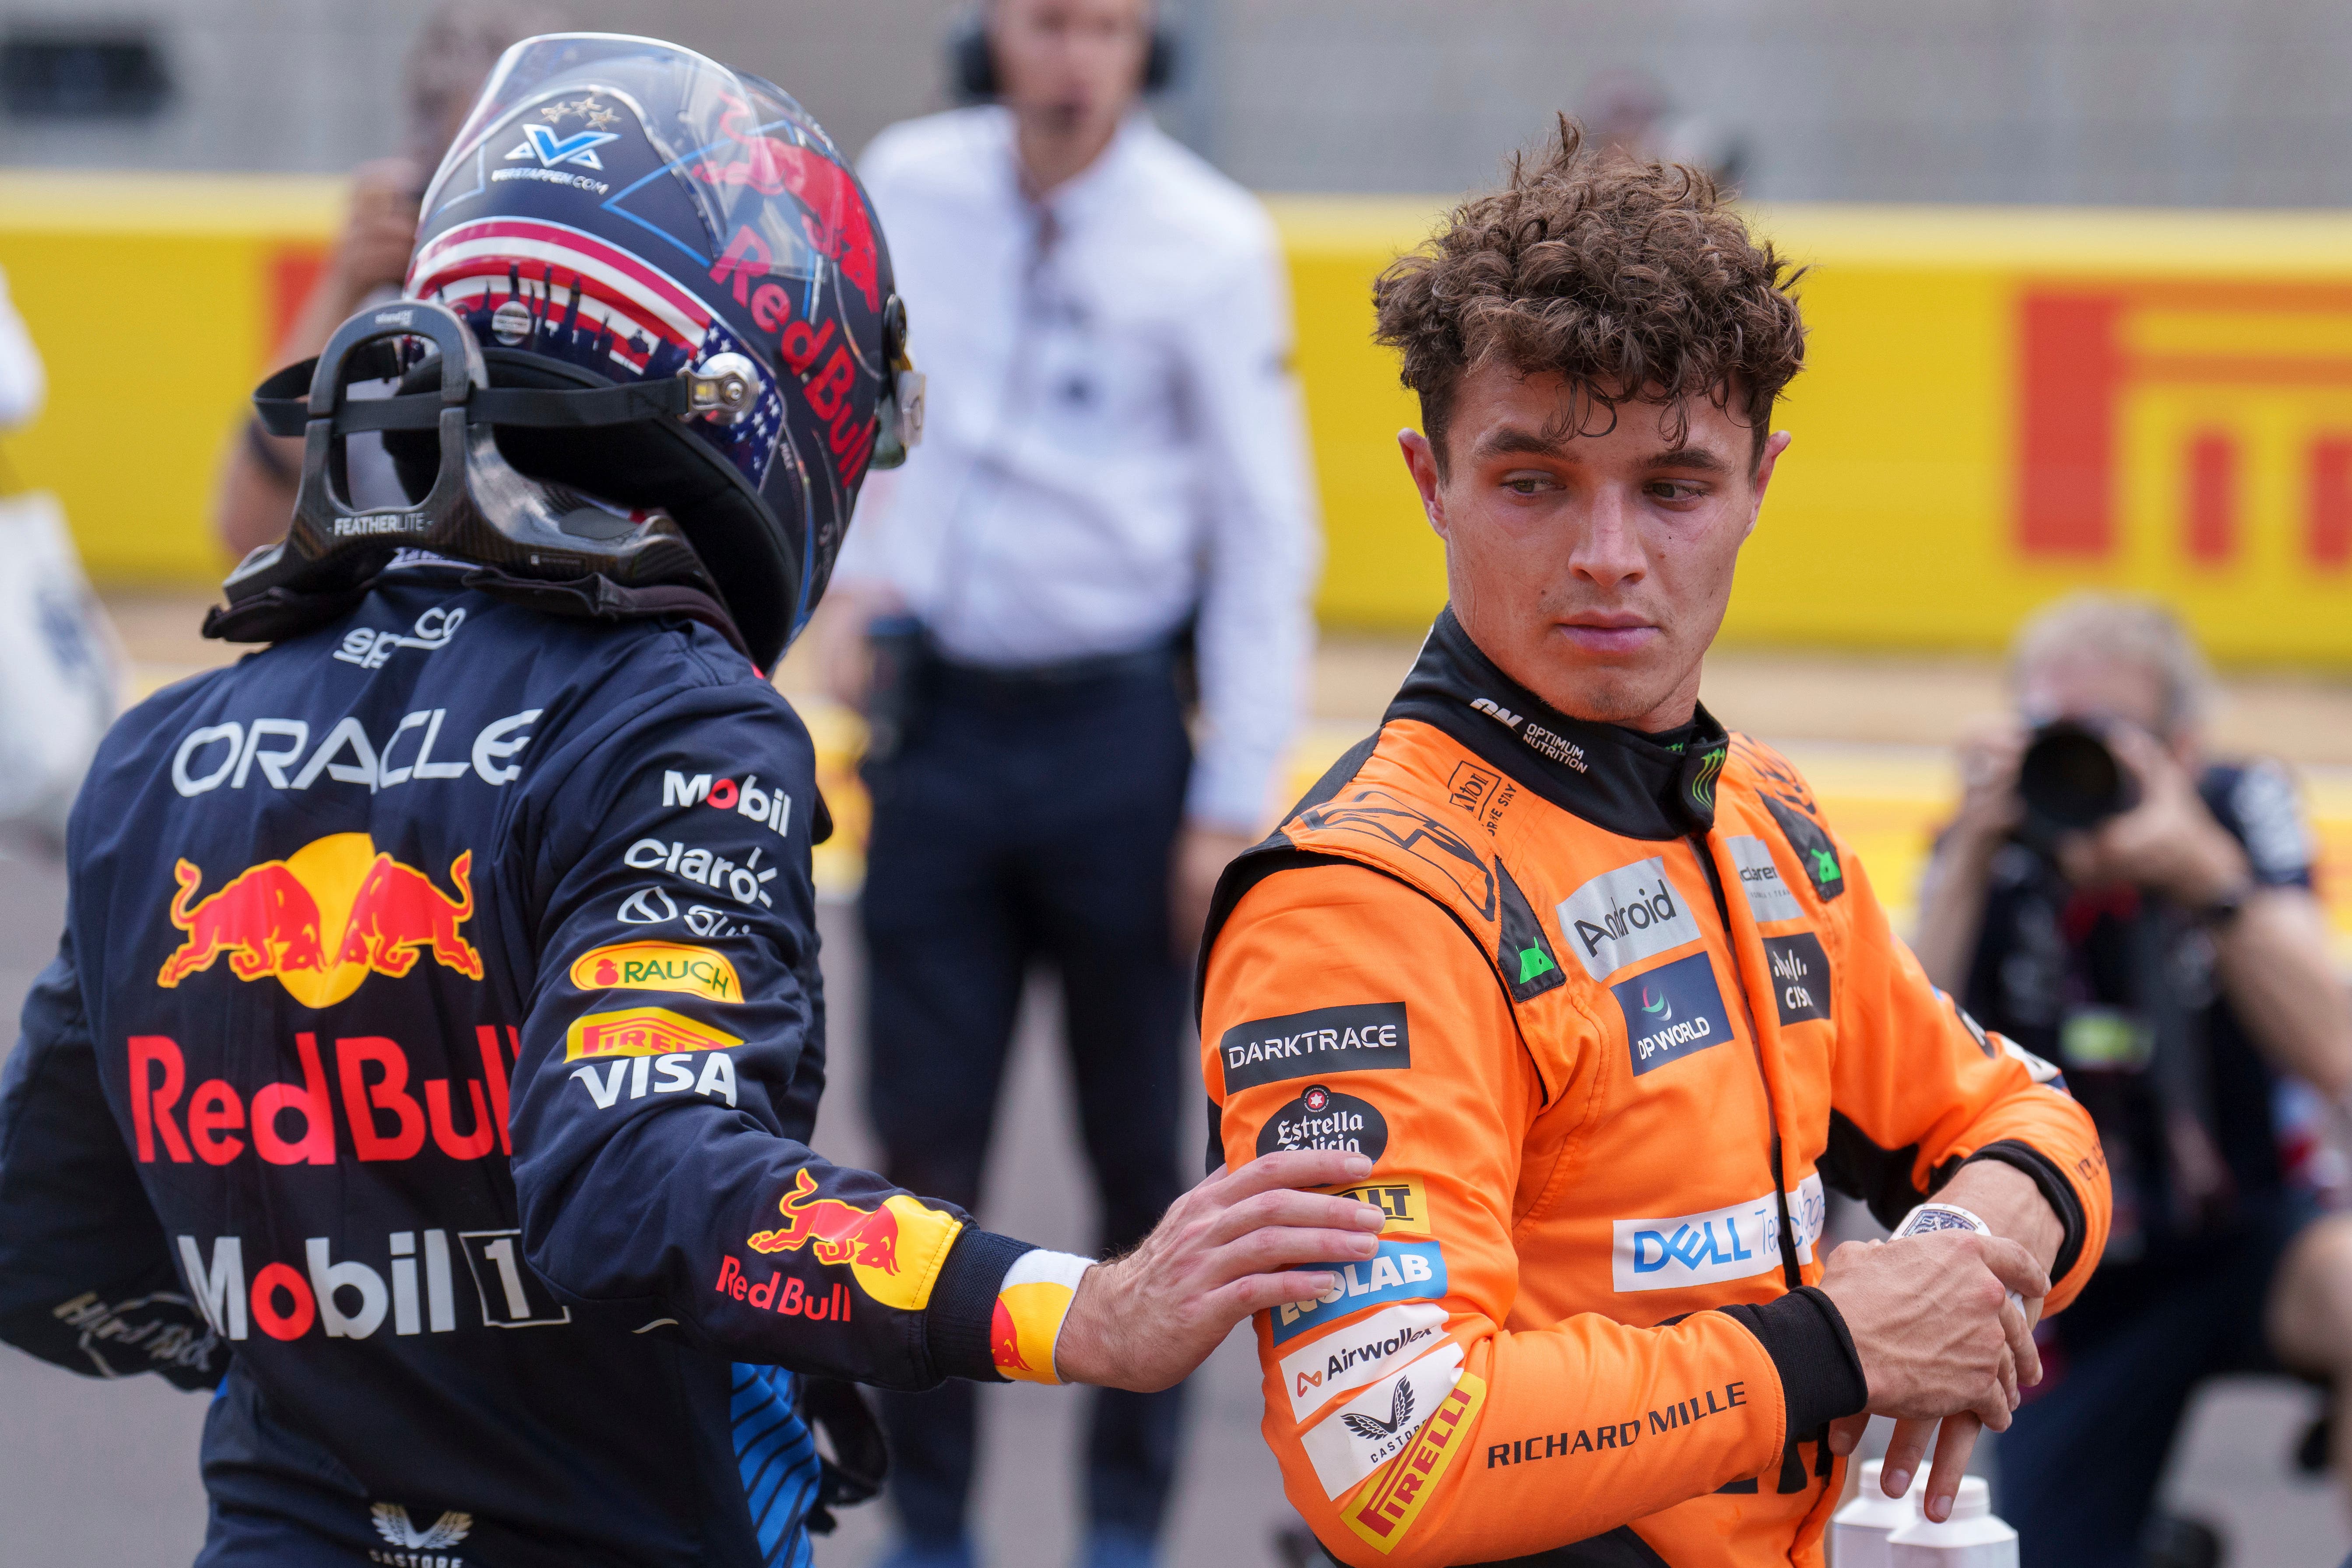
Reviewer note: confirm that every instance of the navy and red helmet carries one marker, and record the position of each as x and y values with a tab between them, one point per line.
680	294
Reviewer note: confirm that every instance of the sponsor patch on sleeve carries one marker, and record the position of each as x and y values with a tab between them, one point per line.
658	966
1357	1354
1322	1118
1399	1271
1672	1012
1376	1426
1403	1200
1367	1036
1382	1510
640	1031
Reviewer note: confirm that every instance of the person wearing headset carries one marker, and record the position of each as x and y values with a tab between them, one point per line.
1112	477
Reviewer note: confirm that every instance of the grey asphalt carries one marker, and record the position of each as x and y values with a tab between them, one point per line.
99	1475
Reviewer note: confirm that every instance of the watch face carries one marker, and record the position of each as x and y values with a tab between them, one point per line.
1938	1217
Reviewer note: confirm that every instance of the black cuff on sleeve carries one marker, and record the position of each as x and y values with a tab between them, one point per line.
2055	1188
963	1303
1821	1373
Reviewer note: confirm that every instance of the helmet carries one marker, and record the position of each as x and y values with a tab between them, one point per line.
650	321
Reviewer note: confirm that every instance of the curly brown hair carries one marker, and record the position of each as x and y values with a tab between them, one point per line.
1632	281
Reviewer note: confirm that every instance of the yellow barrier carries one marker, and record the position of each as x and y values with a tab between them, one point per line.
2002	404
154	300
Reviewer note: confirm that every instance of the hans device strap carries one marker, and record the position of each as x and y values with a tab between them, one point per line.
479	509
284	405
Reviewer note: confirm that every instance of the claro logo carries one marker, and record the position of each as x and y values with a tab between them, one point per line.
295	1124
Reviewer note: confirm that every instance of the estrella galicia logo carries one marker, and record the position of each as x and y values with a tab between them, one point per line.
1400	1271
1672	1012
1320	1119
579	147
1372	1035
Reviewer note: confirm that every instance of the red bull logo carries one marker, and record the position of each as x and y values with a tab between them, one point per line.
894	1251
1005	1341
323	919
843	1233
835	218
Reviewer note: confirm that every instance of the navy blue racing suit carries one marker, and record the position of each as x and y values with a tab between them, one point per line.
432	1048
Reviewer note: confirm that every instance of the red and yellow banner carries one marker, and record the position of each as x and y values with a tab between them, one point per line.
2000	405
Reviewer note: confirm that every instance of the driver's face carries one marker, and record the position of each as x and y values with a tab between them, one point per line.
1078	63
1592	560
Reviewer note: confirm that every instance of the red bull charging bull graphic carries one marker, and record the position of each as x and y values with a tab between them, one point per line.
894	1252
323	919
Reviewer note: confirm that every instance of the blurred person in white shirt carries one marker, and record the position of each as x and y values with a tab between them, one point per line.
1111	502
23	385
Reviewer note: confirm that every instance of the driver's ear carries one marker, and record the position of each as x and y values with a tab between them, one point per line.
1421	461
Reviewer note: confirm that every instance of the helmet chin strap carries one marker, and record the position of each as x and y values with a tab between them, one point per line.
480	509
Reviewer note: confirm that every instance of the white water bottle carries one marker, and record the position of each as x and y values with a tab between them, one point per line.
1858	1534
1970	1538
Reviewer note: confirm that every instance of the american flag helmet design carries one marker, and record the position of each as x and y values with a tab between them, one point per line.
629	209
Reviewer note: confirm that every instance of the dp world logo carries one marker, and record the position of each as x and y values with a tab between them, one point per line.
551	150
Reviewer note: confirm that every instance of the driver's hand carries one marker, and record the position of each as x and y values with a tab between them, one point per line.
1239	1243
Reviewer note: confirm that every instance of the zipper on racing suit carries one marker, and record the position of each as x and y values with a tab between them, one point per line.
1790	1270
1792	1465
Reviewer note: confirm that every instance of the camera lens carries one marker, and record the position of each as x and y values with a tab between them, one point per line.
2069	777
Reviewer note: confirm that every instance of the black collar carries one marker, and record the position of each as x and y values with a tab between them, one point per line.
1614	778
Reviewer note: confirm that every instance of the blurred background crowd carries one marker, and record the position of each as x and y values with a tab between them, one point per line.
2073	448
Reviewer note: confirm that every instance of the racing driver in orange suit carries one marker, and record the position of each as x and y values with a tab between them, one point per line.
1597	989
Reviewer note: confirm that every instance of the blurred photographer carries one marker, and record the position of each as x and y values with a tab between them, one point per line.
2142	915
453	52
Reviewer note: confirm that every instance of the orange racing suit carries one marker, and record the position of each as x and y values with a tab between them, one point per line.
1608	1015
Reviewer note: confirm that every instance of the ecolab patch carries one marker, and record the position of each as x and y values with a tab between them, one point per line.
1383	1513
1368	1037
1400	1271
657	966
1800	977
1769	897
1672	1013
1624	916
1734	1242
1374	1427
1358	1353
640	1031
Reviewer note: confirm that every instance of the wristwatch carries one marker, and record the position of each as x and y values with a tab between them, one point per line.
1930	1218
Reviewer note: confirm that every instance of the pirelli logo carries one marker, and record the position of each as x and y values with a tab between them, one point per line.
640	1031
1383	1509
